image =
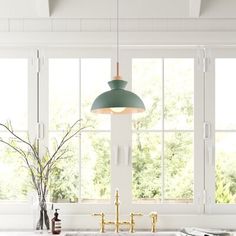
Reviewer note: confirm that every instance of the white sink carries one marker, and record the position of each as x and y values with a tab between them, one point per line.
160	233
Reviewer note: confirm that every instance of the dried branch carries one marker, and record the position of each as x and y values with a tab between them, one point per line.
40	168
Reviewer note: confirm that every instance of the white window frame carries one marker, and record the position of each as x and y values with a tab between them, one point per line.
121	135
126	67
17	207
45	55
211	55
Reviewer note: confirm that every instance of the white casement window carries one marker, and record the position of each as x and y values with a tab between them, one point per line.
73	78
220	141
18	110
167	157
176	158
14	109
71	90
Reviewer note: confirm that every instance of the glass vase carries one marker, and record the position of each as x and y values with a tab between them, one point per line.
41	216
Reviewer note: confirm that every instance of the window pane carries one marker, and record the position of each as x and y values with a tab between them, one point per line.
179	93
95	73
225	96
225	153
73	85
178	167
147	83
96	176
15	182
146	166
168	81
14	178
63	92
13	92
65	177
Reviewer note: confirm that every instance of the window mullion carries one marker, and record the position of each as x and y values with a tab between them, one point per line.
199	186
80	137
121	171
163	134
32	99
209	142
42	103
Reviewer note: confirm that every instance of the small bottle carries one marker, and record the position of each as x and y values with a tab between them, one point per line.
56	223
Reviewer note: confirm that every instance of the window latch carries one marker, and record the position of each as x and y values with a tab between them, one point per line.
40	131
206	130
204	197
127	154
38	62
115	152
204	64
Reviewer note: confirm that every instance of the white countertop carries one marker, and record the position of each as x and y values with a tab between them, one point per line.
27	233
85	233
92	233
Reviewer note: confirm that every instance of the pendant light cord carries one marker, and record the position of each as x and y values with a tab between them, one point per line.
117	37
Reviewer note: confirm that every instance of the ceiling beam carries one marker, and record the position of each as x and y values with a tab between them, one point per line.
194	8
43	8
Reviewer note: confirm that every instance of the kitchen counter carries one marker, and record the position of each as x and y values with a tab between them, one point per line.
93	233
27	233
23	233
86	233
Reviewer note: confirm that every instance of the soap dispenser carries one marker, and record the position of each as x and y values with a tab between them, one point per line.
56	223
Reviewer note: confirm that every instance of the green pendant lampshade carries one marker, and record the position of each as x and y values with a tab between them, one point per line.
117	100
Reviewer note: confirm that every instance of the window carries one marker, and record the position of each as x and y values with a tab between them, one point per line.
163	137
73	83
220	148
177	157
63	108
167	158
225	131
14	111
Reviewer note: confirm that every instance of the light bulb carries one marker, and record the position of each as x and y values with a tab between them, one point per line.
117	109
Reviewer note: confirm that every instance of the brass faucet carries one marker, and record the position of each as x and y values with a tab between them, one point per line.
153	216
117	221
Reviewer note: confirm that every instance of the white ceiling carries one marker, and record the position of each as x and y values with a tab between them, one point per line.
206	9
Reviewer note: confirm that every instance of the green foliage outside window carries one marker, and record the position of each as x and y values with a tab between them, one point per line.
146	159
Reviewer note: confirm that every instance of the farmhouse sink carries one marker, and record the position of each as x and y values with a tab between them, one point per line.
161	233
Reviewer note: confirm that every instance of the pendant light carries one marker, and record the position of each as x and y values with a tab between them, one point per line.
117	100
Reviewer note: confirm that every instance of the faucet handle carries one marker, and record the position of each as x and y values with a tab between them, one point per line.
98	214
132	223
153	216
102	222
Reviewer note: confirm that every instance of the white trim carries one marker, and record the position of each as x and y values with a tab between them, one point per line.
90	39
56	24
80	222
